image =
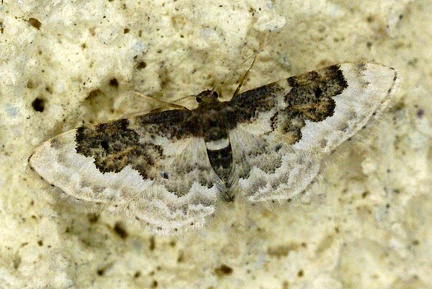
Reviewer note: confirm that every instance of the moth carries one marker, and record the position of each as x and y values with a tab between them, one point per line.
168	169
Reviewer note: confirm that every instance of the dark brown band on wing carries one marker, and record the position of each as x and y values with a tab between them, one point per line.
310	98
249	104
312	93
113	146
172	124
116	144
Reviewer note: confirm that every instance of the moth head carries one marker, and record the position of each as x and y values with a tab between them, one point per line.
207	97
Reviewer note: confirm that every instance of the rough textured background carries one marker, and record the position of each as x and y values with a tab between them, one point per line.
365	224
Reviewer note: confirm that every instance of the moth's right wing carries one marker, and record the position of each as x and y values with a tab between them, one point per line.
283	128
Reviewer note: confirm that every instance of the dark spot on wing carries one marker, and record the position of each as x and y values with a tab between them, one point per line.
165	175
278	147
105	144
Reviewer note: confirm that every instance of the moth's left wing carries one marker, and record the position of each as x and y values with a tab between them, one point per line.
283	128
147	167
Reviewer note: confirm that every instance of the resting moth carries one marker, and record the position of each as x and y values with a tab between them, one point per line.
167	169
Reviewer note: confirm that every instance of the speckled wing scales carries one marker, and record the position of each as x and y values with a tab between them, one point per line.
147	167
284	127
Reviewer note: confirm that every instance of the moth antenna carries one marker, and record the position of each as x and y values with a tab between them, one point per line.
172	104
236	92
242	80
213	88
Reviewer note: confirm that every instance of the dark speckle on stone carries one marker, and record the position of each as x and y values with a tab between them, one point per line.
35	23
420	113
114	82
141	65
120	230
100	271
38	104
152	245
223	270
93	218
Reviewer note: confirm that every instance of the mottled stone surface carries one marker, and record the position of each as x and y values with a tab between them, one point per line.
366	222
